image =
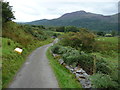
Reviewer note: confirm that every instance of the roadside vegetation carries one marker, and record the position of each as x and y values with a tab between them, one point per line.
16	36
12	61
64	77
97	55
26	37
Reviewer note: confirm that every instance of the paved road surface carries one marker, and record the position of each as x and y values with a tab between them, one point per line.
36	72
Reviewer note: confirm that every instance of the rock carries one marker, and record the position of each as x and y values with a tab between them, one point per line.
81	76
81	71
85	83
61	61
88	82
88	86
82	81
64	64
71	69
67	67
71	66
54	55
85	74
76	69
77	75
74	72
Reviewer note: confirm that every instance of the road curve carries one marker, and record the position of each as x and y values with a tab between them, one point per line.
36	72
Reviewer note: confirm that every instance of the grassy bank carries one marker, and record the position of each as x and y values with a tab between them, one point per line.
64	77
26	37
12	61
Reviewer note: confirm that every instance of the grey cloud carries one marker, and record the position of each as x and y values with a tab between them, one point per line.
37	9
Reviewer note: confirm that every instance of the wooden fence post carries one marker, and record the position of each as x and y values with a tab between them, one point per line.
94	66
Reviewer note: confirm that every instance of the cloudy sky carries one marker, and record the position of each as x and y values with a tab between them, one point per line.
30	10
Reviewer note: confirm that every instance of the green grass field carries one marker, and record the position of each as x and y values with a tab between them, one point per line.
110	54
108	39
64	77
112	45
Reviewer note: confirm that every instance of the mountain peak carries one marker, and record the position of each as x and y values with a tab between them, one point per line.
77	12
74	14
81	11
83	19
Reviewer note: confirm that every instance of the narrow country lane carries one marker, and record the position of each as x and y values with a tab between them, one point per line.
36	72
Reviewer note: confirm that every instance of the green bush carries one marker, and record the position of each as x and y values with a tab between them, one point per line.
62	50
102	81
71	29
102	66
70	56
86	62
60	29
80	40
55	49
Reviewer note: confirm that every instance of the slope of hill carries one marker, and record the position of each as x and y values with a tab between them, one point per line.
22	36
82	19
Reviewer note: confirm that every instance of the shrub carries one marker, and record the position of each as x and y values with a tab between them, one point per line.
71	29
102	66
71	56
84	40
86	62
55	49
71	59
69	39
102	81
60	29
62	50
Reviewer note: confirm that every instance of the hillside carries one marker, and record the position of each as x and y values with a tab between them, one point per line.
22	36
82	19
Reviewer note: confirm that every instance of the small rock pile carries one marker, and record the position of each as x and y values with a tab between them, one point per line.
80	74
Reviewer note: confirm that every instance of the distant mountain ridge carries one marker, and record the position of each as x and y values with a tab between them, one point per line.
82	19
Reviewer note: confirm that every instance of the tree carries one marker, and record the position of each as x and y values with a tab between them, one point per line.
83	40
60	29
101	33
113	33
7	13
71	29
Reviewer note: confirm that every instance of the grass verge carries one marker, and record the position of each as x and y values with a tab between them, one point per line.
64	77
